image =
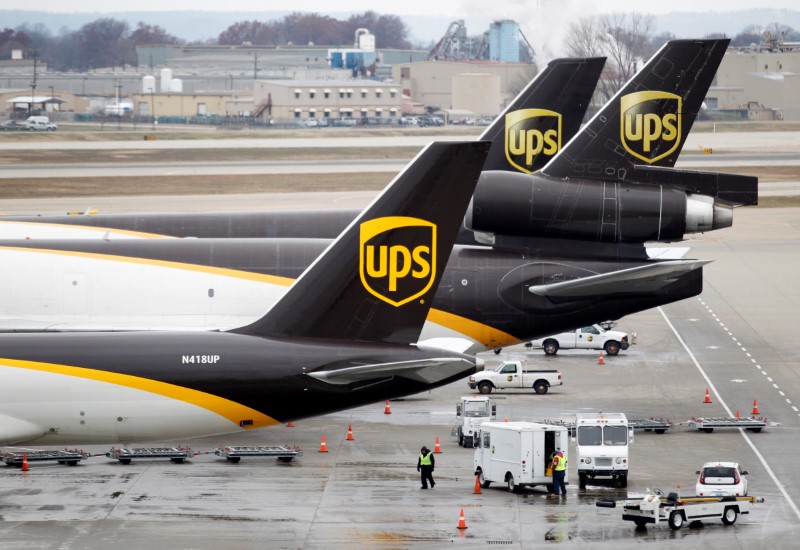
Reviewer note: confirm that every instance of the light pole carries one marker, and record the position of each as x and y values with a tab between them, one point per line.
52	96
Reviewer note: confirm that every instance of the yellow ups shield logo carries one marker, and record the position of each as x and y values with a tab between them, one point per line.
646	133
532	134
397	258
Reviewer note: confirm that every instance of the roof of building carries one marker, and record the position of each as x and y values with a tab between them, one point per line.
36	99
329	84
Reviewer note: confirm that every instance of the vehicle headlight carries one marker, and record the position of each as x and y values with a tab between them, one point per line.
471	378
588	460
619	460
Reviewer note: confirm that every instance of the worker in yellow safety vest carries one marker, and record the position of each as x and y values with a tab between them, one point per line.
559	473
425	466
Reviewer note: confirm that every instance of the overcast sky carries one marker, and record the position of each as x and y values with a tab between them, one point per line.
454	8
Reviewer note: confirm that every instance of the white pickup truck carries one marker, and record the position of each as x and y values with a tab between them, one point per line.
591	337
514	374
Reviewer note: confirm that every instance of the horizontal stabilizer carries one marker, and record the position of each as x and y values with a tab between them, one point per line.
667	253
734	188
645	278
426	371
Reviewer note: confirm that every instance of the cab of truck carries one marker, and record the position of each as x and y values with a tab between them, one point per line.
471	412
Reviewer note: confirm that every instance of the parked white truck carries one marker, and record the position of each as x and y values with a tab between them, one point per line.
601	445
39	123
517	453
471	412
514	374
591	337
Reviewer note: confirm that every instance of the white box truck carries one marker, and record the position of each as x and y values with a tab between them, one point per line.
518	453
471	412
601	446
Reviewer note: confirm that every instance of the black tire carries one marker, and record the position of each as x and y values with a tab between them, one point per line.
482	480
234	459
661	431
611	347
177	460
622	482
497	351
729	515
541	387
550	347
485	388
512	484
640	522
676	520
582	480
460	438
72	463
124	460
285	458
708	430
754	430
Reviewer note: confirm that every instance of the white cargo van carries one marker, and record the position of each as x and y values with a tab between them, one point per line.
39	123
517	453
601	445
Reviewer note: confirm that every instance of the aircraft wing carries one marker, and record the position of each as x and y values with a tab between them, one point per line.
29	325
667	253
645	278
428	371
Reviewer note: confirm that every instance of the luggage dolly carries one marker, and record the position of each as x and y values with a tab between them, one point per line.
175	454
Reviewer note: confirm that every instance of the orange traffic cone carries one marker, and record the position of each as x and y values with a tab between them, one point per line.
462	524
437	448
477	490
350	432
290	424
737	414
24	462
708	397
388	409
755	407
601	361
505	419
322	447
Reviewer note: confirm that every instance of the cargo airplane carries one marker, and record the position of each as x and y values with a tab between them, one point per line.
565	253
345	333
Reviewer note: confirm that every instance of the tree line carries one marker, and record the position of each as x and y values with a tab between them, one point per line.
109	42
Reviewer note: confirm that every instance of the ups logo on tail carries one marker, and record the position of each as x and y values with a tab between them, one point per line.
532	137
397	258
650	124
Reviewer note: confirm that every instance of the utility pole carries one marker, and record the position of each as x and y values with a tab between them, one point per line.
118	86
33	84
255	65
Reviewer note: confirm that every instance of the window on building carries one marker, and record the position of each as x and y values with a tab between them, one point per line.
349	93
312	94
326	94
297	93
297	114
364	113
392	112
378	93
342	92
312	113
405	72
392	93
201	108
363	93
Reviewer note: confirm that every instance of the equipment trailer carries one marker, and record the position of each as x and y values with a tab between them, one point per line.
70	457
656	508
284	453
708	424
175	454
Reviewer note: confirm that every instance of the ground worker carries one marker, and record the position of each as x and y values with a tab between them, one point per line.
559	473
425	466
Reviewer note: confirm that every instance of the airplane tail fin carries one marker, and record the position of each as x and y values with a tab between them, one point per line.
647	121
545	115
377	280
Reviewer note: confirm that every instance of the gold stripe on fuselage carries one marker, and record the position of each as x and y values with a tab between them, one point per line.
112	231
231	410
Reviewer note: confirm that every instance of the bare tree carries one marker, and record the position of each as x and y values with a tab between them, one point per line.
624	38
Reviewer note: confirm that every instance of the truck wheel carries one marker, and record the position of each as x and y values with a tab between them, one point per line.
497	351
460	437
512	484
640	522
485	387
285	458
550	347
540	387
729	515
675	520
234	459
125	460
581	480
482	480
611	347
468	442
